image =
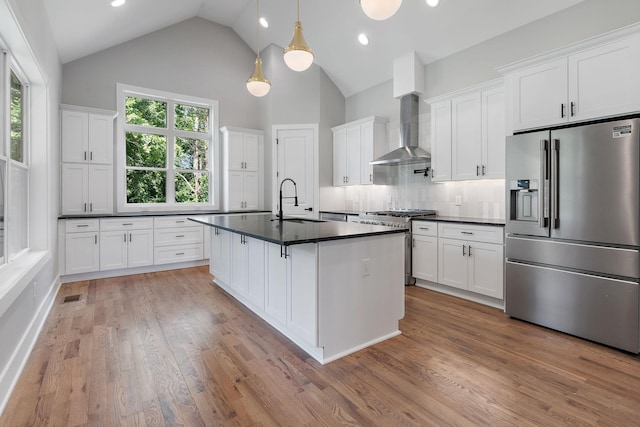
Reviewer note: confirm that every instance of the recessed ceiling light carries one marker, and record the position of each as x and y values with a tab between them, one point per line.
117	3
433	3
264	22
363	39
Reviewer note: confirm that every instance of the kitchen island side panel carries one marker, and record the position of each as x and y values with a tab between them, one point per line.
361	292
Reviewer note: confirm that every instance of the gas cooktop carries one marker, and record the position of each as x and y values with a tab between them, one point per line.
404	213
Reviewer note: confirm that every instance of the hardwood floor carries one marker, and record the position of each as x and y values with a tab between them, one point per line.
166	349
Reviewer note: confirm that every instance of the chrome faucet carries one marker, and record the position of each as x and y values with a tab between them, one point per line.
295	187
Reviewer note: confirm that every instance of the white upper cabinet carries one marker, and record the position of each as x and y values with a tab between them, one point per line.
589	80
87	137
242	171
355	144
468	134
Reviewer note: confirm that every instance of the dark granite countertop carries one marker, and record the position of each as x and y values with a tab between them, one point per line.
292	231
164	213
344	212
462	220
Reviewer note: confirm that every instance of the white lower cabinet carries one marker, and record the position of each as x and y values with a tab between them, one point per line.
471	258
220	261
276	284
424	254
82	250
126	243
176	239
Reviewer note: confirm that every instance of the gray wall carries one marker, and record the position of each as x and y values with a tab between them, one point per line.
194	57
478	63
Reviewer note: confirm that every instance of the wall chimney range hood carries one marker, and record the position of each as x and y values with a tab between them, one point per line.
409	151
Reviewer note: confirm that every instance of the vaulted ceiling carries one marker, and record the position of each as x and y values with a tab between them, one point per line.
331	28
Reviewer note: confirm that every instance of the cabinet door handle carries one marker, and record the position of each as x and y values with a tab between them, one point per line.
91	155
573	104
125	237
464	247
477	170
484	170
85	155
95	239
469	250
413	242
130	237
370	177
84	209
91	207
562	110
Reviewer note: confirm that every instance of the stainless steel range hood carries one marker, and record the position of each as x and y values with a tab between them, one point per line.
409	152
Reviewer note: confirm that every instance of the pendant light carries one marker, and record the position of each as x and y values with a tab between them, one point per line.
257	84
298	55
380	9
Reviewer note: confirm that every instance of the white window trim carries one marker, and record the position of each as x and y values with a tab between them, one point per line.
123	90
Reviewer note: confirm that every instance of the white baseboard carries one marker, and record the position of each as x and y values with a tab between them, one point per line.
461	293
129	271
10	375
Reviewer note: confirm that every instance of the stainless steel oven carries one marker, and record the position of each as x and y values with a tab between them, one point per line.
398	219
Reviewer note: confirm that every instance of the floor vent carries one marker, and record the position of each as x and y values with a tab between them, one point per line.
71	298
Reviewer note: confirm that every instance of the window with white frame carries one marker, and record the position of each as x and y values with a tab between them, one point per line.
166	147
14	165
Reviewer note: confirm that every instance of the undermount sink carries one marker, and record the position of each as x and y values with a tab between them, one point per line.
300	220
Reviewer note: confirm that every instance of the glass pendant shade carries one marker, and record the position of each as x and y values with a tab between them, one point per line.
257	84
298	55
380	9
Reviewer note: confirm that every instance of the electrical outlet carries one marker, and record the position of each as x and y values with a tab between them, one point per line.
458	200
366	267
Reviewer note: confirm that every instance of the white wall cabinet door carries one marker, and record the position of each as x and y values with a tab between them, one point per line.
603	81
367	151
353	155
241	168
250	191
485	269
75	188
441	141
140	248
466	136
82	253
236	190
100	185
251	152
425	257
340	157
87	137
540	95
493	133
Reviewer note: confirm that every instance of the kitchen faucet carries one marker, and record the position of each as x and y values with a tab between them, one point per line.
295	187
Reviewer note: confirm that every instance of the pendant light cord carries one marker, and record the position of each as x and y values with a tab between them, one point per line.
258	27
298	3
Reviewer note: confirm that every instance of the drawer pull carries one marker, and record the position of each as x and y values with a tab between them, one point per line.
180	235
180	253
127	223
423	228
179	221
467	232
82	225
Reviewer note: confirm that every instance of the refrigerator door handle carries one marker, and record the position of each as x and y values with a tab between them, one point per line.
543	205
555	190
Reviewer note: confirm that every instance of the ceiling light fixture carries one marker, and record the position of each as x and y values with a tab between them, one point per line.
363	39
433	3
257	84
380	9
298	55
117	3
264	22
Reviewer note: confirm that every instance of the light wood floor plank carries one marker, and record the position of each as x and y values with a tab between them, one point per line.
170	348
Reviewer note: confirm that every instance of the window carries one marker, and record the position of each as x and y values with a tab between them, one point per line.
166	150
14	167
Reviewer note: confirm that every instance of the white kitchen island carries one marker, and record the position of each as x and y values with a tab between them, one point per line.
331	287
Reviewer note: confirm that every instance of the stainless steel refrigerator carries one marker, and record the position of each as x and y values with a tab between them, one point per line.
572	229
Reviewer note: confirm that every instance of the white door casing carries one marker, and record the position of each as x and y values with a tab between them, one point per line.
295	156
